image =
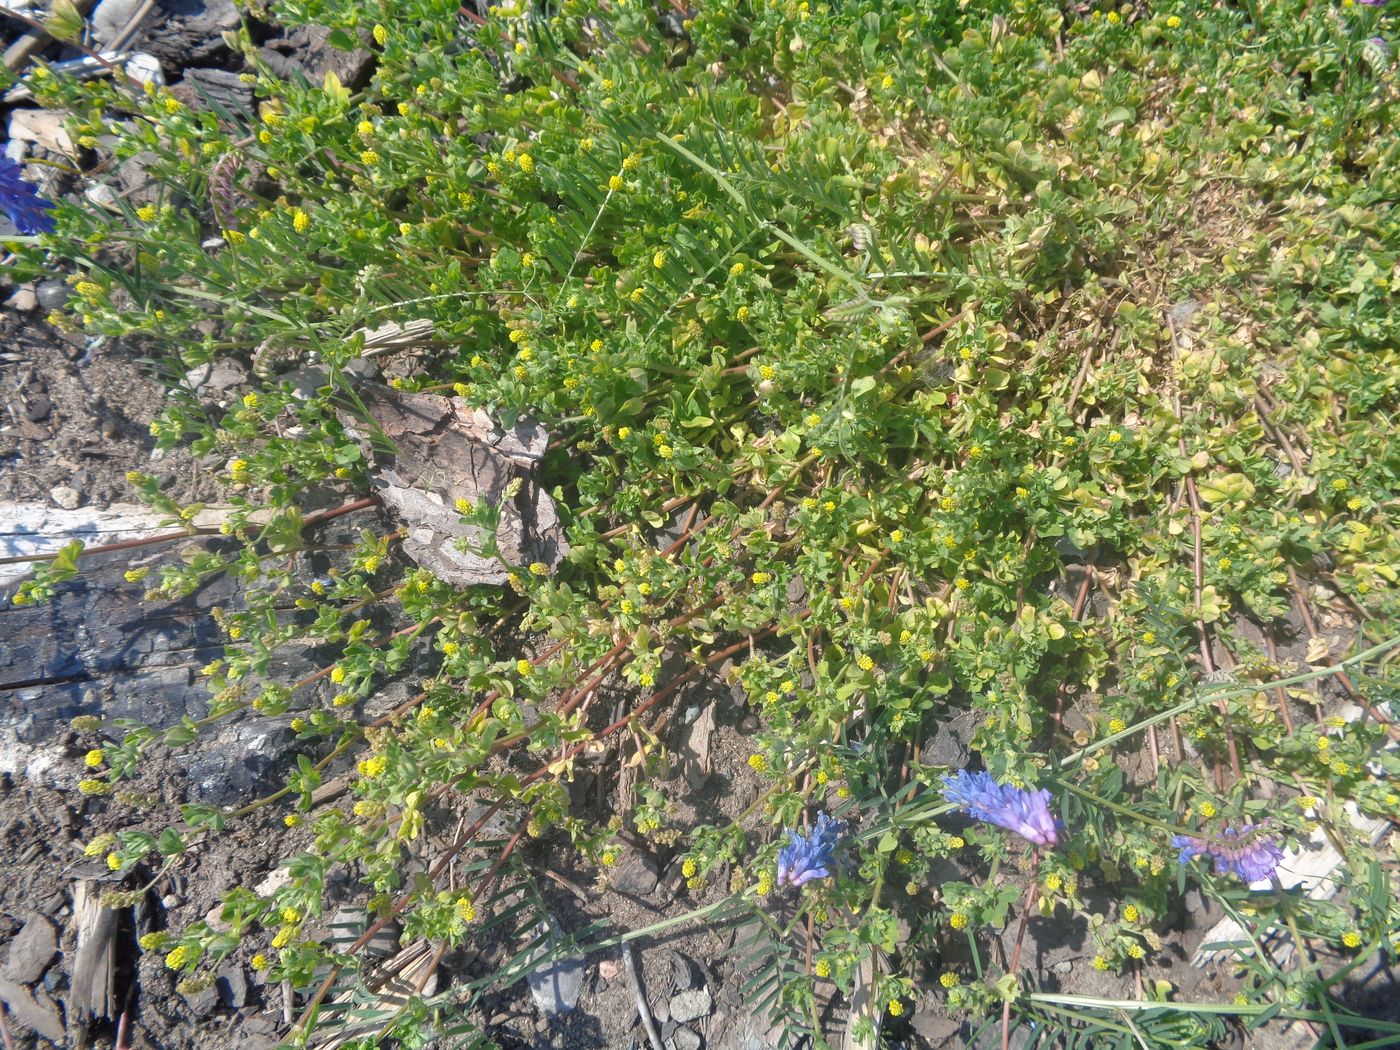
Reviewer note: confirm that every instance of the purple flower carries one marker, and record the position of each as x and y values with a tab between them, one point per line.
1020	810
21	201
1373	3
806	858
1246	851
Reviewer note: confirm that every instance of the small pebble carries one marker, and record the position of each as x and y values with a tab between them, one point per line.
66	496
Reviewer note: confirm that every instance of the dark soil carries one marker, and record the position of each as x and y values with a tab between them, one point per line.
78	414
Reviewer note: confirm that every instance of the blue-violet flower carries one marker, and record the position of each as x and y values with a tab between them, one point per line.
1021	810
21	201
1245	851
805	858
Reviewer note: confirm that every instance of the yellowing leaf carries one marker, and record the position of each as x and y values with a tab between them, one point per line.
1317	651
1230	487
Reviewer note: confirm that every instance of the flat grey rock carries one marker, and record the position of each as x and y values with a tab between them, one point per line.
692	1005
32	950
555	985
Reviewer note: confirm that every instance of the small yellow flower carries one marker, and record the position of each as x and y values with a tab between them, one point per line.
373	767
765	884
758	763
178	957
466	910
760	578
258	962
292	820
342	699
646	679
896	1008
615	184
1100	963
337	675
1352	939
865	662
284	936
1114	18
369	156
381	35
822	968
94	787
114	862
526	162
958	920
658	260
948	979
742	314
94	758
1173	22
1053	882
523	667
1208	809
1136	951
1117	725
665	451
149	942
301	222
1130	913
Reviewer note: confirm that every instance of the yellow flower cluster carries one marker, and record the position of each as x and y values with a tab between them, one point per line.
373	767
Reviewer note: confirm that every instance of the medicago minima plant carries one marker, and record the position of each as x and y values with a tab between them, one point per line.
910	365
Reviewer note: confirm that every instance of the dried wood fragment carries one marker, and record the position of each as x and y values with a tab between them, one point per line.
428	453
94	961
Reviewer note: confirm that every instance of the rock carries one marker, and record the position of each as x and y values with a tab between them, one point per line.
231	986
1182	312
66	496
949	743
686	974
52	294
191	34
935	1030
32	950
42	126
137	186
214	89
555	985
692	1005
39	1016
204	1001
608	969
23	299
111	17
208	381
684	1039
636	874
306	51
38	409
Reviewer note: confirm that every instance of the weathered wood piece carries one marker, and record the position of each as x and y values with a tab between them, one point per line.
428	452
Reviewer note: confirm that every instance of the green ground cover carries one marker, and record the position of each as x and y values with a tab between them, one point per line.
991	358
